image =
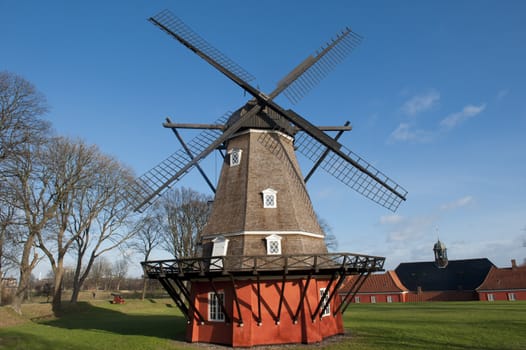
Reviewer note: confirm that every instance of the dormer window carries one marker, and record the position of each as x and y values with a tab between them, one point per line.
235	156
219	249
270	199
273	245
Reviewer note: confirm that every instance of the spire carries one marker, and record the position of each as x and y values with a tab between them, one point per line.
440	251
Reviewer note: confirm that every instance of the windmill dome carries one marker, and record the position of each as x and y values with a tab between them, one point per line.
264	119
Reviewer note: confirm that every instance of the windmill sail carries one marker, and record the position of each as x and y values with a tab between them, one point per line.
308	74
175	27
340	162
380	188
155	181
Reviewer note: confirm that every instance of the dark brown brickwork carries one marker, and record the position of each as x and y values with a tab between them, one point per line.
268	161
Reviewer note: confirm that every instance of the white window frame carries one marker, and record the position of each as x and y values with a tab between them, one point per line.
511	297
490	297
389	299
215	312
357	300
327	311
273	240
270	198
235	156
373	299
219	248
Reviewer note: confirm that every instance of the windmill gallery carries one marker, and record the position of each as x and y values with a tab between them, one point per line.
264	275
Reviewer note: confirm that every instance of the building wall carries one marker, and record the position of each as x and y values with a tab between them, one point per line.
502	295
267	332
415	297
367	298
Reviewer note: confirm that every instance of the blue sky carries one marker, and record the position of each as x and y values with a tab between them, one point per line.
436	95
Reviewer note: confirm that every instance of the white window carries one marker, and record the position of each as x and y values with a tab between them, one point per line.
215	312
490	297
373	299
219	248
235	156
325	304
270	198
511	296
273	245
389	299
357	300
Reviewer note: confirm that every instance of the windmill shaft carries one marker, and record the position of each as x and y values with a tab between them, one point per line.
171	125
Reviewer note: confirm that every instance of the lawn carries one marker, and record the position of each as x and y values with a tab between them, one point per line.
157	324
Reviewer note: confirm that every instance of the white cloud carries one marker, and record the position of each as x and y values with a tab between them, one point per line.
391	219
401	229
420	103
405	132
459	203
467	112
502	93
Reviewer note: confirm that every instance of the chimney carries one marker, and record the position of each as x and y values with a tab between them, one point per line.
513	264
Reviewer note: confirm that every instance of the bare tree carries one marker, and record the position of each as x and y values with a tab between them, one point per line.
101	219
148	237
186	213
100	273
35	199
25	199
7	238
119	271
330	239
21	107
74	164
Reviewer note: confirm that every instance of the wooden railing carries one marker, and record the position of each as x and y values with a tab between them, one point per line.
264	264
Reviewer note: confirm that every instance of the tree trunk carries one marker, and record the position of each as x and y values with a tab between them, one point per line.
144	287
80	277
57	289
24	280
75	293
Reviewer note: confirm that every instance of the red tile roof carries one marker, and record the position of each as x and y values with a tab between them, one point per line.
504	279
377	283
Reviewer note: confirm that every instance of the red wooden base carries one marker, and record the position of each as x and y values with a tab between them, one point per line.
257	324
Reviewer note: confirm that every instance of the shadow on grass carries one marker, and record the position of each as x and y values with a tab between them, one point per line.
88	316
20	340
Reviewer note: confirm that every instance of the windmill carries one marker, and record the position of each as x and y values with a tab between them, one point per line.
264	275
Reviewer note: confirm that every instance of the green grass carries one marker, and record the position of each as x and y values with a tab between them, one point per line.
157	324
451	325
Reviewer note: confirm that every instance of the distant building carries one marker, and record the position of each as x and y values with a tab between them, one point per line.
457	281
504	284
378	288
440	280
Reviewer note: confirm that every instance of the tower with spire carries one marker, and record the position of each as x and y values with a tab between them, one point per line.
440	251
